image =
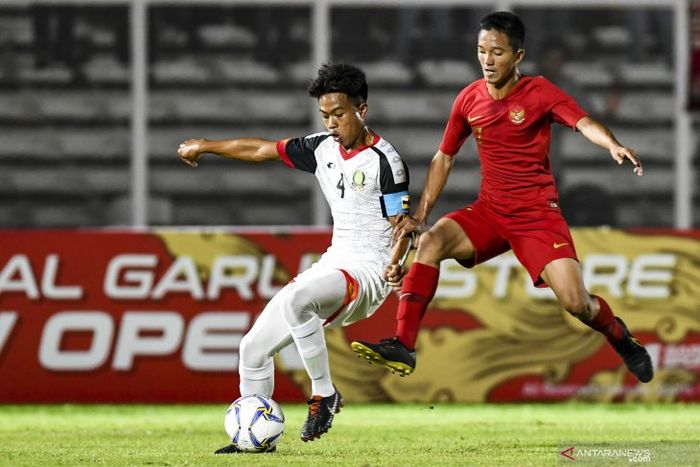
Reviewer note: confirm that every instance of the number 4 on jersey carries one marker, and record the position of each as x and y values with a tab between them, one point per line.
341	186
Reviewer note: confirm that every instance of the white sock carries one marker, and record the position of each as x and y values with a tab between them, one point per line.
257	380
311	343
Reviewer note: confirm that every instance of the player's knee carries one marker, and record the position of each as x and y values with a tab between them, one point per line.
297	309
431	245
250	354
575	303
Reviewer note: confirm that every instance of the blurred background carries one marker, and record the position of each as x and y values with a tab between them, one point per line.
95	98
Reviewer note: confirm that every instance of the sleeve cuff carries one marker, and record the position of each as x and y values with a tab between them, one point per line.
282	151
576	120
448	151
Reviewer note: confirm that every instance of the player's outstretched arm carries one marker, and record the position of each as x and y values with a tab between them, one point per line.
601	135
439	170
243	149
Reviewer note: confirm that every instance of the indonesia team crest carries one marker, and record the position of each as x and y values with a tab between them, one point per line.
517	115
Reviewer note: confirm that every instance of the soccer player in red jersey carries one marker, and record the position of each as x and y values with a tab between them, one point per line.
510	116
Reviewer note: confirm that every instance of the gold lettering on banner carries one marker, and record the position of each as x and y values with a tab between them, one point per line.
499	325
655	291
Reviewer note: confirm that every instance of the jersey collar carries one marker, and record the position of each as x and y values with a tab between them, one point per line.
349	155
515	90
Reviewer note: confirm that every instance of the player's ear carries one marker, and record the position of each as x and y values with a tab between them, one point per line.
361	110
519	56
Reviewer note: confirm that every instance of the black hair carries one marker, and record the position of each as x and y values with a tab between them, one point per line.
340	77
507	23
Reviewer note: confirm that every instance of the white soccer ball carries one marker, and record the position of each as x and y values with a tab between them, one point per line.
254	423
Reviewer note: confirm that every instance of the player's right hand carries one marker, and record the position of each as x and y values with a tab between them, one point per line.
405	226
393	275
620	153
190	151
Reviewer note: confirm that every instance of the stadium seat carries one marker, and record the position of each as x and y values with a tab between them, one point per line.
416	145
394	107
95	143
646	106
66	105
527	68
194	213
299	72
107	180
164	140
226	35
68	215
46	180
588	204
211	86
645	211
230	105
68	180
160	211
17	29
54	74
225	179
57	144
242	211
181	69
589	73
651	144
279	214
612	36
73	105
8	216
118	105
387	72
23	143
446	72
19	105
232	70
461	181
621	180
647	74
186	105
105	68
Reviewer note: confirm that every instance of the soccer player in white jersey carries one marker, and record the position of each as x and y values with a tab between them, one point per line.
365	182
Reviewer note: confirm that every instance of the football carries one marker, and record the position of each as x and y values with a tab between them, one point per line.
254	423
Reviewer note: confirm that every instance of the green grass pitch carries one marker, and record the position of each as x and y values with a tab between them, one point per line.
362	435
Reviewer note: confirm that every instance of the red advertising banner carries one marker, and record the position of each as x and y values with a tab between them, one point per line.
109	316
94	316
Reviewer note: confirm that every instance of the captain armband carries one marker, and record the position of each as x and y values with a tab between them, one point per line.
394	204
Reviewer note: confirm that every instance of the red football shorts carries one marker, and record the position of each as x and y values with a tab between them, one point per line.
537	236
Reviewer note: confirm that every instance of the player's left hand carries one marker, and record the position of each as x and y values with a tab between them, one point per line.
620	153
394	274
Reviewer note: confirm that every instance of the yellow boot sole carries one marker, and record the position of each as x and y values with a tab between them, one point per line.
371	356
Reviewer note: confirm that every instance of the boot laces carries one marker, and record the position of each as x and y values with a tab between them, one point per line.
315	405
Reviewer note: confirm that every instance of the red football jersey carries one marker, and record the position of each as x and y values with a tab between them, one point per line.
513	136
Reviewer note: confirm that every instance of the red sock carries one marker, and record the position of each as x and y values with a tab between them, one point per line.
605	322
418	289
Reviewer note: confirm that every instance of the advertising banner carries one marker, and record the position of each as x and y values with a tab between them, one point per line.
157	316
